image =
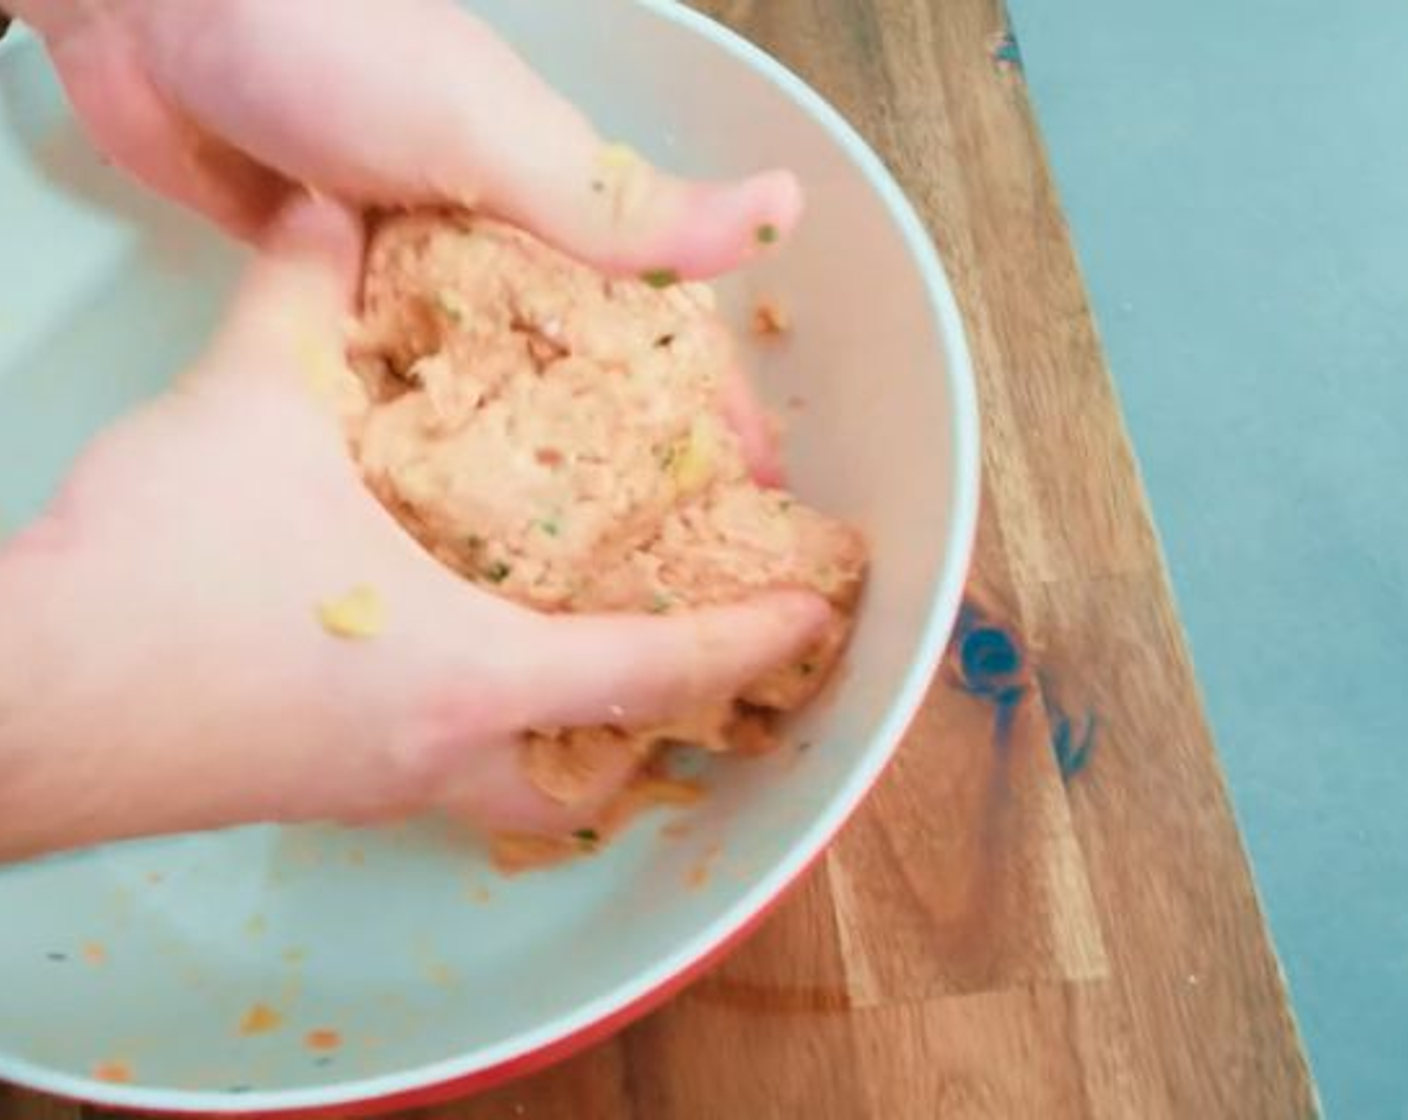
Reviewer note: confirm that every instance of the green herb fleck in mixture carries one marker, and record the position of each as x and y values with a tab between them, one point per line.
587	837
497	572
660	277
767	234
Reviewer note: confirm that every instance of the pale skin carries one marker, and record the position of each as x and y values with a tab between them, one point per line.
162	662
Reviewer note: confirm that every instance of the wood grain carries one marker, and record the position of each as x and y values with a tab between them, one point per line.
1045	909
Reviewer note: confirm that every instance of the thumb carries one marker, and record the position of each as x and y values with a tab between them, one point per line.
296	299
633	670
625	670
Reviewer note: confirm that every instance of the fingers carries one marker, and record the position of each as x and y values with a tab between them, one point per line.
589	671
294	304
456	671
497	793
310	256
603	203
141	133
754	427
632	670
414	101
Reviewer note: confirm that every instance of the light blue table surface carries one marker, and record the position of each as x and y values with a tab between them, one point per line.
1236	176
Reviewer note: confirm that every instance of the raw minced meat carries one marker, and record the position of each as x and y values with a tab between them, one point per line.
556	437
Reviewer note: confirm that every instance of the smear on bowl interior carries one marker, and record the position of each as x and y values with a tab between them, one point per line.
557	437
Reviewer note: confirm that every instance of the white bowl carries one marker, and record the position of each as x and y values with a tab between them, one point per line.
436	974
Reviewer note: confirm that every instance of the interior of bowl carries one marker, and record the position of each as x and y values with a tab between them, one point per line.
278	968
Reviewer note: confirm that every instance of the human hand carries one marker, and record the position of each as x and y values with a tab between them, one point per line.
224	105
227	105
162	663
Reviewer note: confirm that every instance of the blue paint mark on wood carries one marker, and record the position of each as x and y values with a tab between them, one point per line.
1071	744
1007	706
987	661
988	655
1006	51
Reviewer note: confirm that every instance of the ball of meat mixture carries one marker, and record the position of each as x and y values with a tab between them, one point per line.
555	436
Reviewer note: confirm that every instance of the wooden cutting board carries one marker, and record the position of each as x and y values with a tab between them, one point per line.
1044	911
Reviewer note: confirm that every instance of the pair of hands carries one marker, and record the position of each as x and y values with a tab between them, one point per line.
161	663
